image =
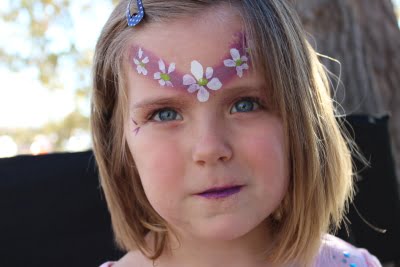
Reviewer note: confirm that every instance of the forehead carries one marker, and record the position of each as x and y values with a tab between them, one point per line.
201	55
205	36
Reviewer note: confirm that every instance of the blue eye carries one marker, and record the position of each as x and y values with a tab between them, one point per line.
245	105
166	114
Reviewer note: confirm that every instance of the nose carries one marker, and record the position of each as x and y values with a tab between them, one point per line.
211	144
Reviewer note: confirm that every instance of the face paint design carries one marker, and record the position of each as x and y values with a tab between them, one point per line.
199	83
163	77
231	66
237	61
141	63
136	131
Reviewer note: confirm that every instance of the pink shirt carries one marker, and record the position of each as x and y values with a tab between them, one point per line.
334	252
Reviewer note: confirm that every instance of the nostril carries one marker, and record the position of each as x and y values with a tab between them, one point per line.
224	158
211	152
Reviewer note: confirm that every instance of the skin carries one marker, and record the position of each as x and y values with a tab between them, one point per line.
175	77
205	145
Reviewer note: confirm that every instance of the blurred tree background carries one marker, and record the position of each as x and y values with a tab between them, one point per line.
363	38
43	22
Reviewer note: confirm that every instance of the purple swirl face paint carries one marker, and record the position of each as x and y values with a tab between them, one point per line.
201	79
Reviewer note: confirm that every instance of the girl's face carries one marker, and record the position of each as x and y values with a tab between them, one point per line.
192	129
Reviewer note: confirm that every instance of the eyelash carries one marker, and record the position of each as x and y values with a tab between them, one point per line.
151	114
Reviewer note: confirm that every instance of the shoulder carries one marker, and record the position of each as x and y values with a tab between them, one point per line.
131	259
336	252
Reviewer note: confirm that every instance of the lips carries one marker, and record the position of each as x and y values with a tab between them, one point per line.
220	189
220	192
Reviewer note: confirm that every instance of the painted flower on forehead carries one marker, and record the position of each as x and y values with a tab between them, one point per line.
237	61
199	83
141	63
163	77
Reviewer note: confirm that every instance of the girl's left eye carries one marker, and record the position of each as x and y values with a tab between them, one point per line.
245	105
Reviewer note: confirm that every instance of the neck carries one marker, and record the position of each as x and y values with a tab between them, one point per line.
248	250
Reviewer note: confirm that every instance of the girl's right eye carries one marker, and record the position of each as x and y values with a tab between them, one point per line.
166	114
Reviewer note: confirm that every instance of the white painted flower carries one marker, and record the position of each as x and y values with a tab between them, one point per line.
164	77
237	61
199	83
141	64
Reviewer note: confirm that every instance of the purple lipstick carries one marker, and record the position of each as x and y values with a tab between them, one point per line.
221	192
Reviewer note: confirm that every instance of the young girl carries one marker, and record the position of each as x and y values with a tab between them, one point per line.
216	138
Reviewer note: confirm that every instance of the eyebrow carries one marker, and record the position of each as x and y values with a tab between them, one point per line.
159	101
236	91
231	92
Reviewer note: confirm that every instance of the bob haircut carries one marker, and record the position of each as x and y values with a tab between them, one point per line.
321	176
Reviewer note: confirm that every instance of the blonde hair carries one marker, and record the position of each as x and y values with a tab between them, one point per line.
321	177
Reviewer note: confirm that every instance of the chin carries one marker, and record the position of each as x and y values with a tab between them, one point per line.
224	230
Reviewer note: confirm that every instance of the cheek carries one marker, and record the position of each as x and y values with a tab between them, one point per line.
160	169
265	154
